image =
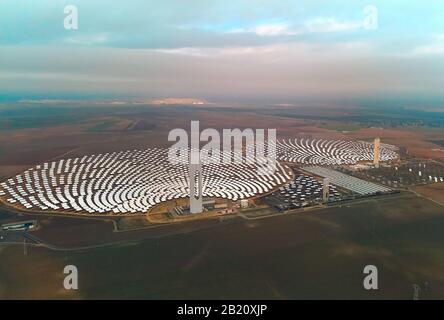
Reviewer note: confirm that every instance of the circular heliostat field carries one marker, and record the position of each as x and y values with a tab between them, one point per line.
135	181
331	152
131	182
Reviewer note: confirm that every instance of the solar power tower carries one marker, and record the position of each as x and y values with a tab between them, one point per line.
326	190
376	152
195	182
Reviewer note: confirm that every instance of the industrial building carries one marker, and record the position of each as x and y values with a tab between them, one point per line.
348	182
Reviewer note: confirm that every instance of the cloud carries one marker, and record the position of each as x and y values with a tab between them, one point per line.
267	30
315	25
201	47
225	51
72	77
271	30
88	39
431	49
45	101
286	70
437	47
216	23
328	24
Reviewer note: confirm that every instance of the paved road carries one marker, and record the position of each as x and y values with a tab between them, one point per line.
11	237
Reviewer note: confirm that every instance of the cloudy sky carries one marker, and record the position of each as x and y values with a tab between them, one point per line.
223	50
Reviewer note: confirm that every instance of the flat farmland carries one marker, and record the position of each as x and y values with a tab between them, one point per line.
316	254
31	134
433	191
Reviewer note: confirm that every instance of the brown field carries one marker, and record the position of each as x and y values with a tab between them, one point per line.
433	191
311	255
69	232
23	148
416	141
117	128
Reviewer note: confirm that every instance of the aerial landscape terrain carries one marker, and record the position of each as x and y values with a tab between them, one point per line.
215	151
399	231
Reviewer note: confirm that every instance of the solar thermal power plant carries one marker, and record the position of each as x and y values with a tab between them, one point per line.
376	146
409	173
331	152
301	189
342	180
325	189
132	181
195	188
304	190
